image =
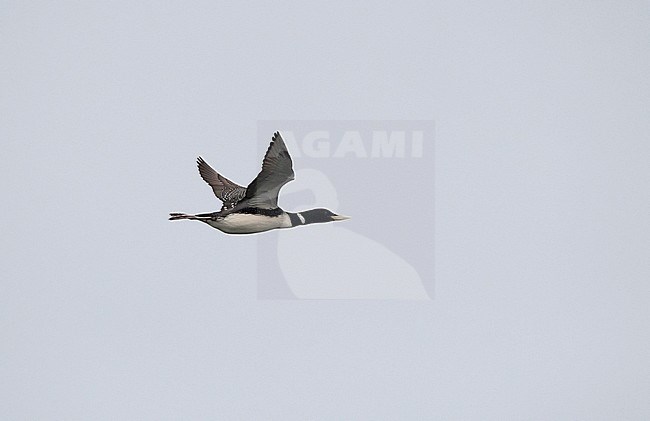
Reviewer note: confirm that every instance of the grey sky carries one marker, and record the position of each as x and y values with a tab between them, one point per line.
109	311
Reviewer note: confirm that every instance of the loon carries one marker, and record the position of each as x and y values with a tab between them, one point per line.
253	209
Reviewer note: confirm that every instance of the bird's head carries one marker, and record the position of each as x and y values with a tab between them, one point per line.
314	216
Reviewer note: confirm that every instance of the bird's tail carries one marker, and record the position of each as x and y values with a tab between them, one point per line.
177	216
200	217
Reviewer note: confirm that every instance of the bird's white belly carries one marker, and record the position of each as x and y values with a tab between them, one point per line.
236	223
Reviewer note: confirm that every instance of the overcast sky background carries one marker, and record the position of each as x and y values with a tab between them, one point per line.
541	305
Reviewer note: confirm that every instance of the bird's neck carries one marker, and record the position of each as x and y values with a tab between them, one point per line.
297	219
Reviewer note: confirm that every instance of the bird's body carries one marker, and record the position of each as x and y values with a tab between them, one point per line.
245	221
253	209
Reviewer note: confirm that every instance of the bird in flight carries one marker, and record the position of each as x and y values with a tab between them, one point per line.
253	209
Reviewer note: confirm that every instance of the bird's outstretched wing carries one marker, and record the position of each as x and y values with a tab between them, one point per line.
228	192
277	170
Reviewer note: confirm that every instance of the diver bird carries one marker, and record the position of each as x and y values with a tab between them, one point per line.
253	209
